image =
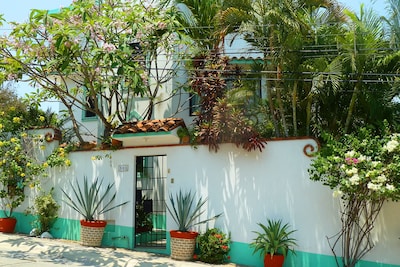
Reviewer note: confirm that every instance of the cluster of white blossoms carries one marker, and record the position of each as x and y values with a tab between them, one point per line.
355	172
392	144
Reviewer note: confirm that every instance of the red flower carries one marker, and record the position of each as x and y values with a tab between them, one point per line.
229	258
224	248
195	257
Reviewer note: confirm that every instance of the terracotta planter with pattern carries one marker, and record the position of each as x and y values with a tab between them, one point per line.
92	232
183	245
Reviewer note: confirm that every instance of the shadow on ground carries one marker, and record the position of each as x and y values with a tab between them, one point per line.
29	248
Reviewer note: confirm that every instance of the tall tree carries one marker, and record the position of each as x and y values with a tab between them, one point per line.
361	46
97	57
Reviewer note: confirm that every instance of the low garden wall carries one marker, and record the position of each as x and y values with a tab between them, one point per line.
247	187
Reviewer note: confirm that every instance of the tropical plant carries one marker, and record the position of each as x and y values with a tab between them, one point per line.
89	201
214	246
20	162
46	209
219	119
185	211
363	170
143	218
275	238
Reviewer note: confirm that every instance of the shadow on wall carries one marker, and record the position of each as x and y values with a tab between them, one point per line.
251	187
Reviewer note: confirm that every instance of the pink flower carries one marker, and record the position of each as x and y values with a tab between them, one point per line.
350	161
109	47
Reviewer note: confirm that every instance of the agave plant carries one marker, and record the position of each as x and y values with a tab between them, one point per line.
274	239
185	211
89	201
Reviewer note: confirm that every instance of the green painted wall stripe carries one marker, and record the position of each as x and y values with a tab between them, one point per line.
122	237
242	253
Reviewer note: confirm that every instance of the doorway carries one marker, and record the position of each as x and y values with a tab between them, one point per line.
150	208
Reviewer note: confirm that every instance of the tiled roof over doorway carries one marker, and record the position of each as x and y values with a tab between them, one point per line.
149	132
162	125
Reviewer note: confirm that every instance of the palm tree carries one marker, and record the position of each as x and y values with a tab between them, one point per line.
280	29
360	48
207	22
393	22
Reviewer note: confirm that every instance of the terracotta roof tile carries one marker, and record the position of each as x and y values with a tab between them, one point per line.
161	125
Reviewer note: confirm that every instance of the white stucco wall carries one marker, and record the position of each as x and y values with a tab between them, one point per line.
247	187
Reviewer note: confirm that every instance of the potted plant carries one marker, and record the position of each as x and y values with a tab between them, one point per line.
214	246
274	242
186	212
45	209
90	203
184	135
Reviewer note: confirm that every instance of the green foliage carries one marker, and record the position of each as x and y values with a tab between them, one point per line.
275	238
185	211
360	164
363	169
89	202
18	169
20	163
46	210
110	47
220	119
143	219
214	246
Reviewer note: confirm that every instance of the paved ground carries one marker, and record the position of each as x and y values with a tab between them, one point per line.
22	251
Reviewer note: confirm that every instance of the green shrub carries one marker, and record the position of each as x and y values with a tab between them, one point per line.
214	246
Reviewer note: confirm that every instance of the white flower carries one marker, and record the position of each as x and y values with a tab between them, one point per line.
350	154
373	186
390	187
354	180
375	163
381	178
362	158
337	193
391	145
352	171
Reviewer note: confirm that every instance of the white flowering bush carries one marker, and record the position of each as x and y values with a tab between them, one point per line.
363	171
363	165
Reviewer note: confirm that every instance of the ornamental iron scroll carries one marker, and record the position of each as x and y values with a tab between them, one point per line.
310	150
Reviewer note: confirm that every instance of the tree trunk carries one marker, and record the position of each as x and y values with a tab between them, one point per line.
268	85
352	104
281	108
294	108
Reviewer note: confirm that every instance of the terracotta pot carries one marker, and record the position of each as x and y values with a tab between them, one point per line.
183	245
7	225
185	235
275	261
92	232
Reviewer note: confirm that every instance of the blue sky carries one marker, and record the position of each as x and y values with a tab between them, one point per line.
377	5
18	10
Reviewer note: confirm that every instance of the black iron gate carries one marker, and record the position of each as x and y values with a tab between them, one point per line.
150	209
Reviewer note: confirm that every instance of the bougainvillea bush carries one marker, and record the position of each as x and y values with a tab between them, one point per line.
363	170
214	246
